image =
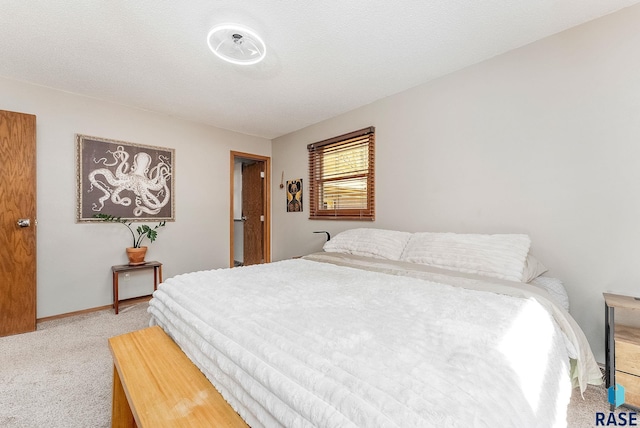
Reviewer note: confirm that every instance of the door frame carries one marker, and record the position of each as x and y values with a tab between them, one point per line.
266	188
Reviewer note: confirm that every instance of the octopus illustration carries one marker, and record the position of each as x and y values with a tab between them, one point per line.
149	185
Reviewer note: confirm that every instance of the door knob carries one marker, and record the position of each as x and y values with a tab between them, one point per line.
24	222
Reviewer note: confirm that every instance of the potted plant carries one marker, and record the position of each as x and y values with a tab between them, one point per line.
137	252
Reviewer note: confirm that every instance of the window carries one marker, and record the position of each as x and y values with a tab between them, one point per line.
341	177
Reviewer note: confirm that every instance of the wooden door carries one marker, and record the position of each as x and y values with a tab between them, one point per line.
17	205
253	212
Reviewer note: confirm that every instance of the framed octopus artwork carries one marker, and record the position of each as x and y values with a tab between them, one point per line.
125	180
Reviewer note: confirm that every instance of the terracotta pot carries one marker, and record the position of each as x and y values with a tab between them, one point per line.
136	255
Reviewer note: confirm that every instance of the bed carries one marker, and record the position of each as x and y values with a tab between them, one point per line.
385	329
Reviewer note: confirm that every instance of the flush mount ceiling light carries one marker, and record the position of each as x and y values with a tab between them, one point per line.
236	44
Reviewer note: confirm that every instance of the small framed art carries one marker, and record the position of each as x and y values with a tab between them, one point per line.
294	195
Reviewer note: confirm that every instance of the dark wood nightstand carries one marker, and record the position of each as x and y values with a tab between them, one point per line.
157	277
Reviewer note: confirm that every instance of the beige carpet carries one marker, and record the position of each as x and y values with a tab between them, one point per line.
582	413
61	374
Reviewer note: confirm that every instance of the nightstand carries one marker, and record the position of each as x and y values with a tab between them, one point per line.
622	345
157	277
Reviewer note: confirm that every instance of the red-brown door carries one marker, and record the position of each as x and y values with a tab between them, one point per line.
253	212
17	223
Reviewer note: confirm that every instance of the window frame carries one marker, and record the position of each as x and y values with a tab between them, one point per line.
360	138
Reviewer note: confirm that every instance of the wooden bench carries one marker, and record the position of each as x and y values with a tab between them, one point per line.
156	385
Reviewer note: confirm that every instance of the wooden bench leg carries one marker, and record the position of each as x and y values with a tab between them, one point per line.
121	415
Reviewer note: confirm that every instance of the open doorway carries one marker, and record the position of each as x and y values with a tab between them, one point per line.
250	237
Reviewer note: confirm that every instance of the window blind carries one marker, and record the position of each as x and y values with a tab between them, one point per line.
341	177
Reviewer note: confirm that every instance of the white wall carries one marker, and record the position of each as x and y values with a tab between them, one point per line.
543	140
74	259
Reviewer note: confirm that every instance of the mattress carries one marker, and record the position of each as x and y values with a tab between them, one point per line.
339	341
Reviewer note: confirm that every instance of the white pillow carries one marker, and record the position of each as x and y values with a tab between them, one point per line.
497	256
378	243
532	269
555	287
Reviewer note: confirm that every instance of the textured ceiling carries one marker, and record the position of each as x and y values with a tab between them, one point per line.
323	57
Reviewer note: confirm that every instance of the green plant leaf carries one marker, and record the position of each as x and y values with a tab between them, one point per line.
143	230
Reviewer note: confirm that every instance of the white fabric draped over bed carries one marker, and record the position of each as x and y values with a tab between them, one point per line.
302	343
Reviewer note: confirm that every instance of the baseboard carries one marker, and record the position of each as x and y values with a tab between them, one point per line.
99	308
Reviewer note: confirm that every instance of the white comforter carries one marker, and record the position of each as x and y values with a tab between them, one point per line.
301	343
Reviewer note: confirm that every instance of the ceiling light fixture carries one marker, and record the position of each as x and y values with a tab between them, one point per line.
236	44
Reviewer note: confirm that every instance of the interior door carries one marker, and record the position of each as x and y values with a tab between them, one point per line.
17	223
253	212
